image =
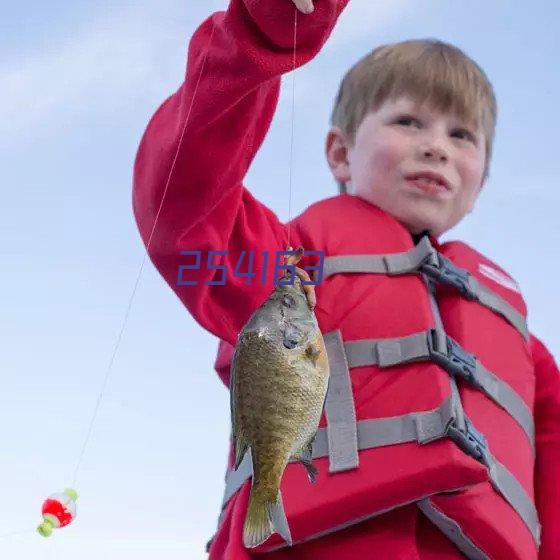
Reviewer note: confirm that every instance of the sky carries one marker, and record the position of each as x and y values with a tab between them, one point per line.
80	81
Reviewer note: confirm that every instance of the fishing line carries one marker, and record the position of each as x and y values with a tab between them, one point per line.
292	125
140	271
124	322
136	283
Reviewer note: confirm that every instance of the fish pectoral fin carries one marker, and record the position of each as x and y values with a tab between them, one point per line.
263	518
313	352
240	445
305	457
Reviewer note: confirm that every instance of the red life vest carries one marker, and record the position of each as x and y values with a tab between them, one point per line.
431	392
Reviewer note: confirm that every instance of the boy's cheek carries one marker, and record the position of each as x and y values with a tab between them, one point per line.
472	174
387	158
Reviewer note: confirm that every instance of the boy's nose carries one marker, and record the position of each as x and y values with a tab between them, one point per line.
434	153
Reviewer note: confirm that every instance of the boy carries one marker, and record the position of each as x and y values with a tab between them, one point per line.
443	399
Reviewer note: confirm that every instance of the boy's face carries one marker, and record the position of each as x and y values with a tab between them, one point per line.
394	146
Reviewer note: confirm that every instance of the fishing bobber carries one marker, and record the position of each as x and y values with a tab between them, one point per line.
58	511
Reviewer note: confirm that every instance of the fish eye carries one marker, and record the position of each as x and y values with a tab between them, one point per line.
289	301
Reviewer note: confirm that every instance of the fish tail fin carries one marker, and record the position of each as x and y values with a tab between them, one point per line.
258	526
264	517
279	520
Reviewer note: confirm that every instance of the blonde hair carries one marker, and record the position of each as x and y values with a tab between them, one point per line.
429	71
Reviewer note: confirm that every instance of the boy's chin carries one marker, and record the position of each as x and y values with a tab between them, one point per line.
435	221
433	228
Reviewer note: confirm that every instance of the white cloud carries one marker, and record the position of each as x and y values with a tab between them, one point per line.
130	55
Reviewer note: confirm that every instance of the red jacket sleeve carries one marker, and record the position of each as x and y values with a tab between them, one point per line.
547	467
228	98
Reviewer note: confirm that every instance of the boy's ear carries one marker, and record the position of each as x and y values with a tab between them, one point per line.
336	150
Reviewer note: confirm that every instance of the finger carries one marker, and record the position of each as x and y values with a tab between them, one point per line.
309	289
303	275
295	258
304	6
311	297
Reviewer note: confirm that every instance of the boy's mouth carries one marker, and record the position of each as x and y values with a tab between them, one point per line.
428	181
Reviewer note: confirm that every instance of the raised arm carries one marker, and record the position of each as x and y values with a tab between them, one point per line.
228	99
547	468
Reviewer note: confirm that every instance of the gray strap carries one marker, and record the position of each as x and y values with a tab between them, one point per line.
387	352
339	408
447	272
236	479
458	362
424	346
423	257
503	394
490	299
474	443
422	427
465	433
510	488
452	530
393	264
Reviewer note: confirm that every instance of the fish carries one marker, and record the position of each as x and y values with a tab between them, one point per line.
279	381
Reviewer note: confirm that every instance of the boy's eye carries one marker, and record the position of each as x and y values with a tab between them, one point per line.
405	120
464	134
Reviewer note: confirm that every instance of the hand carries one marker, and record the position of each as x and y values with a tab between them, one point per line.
303	275
305	6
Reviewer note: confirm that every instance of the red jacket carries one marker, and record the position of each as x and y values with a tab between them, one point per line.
197	149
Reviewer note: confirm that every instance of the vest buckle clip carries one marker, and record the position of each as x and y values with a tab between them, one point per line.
446	272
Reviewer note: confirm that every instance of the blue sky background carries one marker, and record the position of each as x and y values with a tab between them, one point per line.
79	82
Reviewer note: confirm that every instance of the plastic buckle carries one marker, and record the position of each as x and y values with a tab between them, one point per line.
472	442
448	273
453	358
